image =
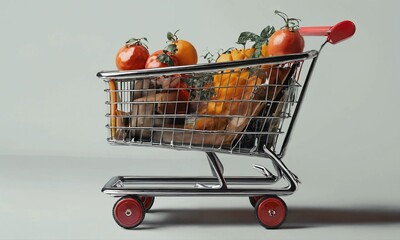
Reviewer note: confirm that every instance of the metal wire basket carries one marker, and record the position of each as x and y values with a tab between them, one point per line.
246	107
236	107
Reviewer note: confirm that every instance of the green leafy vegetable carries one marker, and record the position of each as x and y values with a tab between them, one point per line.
259	40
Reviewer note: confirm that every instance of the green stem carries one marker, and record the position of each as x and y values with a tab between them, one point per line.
291	23
172	36
136	41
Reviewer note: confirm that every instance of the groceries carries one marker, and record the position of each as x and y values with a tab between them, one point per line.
210	109
201	108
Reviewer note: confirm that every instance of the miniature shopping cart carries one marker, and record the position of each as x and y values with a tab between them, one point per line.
245	107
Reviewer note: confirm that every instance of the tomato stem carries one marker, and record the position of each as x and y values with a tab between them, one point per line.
165	58
291	23
172	37
136	41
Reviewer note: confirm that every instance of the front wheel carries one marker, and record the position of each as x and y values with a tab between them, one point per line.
271	212
128	212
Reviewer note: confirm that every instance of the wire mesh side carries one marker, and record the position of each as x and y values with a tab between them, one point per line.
236	110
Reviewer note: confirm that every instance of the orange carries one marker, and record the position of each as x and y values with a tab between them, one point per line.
186	52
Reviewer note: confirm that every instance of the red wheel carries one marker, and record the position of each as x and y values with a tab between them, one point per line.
147	202
128	212
271	211
254	200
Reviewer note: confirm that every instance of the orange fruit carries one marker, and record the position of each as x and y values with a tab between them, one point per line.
186	52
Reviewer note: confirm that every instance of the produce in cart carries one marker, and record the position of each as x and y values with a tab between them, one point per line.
286	40
182	49
132	55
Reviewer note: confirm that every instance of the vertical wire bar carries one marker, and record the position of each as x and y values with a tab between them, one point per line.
295	113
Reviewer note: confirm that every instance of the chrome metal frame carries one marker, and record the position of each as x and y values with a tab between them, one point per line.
200	186
219	185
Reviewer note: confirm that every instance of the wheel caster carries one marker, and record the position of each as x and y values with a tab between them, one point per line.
147	201
254	200
271	211
128	212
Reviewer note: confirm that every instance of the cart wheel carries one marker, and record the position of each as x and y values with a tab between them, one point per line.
128	212
147	202
271	211
254	200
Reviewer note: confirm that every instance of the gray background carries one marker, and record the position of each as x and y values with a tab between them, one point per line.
54	158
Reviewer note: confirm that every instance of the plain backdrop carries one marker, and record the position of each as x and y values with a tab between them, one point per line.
54	157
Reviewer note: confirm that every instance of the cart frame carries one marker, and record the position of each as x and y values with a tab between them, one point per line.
132	188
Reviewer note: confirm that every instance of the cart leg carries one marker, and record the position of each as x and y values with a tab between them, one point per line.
218	163
217	169
283	171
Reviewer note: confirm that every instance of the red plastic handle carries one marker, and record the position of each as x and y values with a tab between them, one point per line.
337	33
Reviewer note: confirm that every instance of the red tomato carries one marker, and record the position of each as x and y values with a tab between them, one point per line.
183	92
286	40
132	55
183	95
160	59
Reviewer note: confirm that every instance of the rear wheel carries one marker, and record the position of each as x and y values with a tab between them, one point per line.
254	200
128	212
147	202
271	211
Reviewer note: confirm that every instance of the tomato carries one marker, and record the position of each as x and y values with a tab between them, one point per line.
182	49
167	59
183	92
132	55
180	93
287	40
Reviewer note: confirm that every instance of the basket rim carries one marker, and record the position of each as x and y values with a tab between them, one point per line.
205	67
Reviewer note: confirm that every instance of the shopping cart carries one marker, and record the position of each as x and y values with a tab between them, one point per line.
246	107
